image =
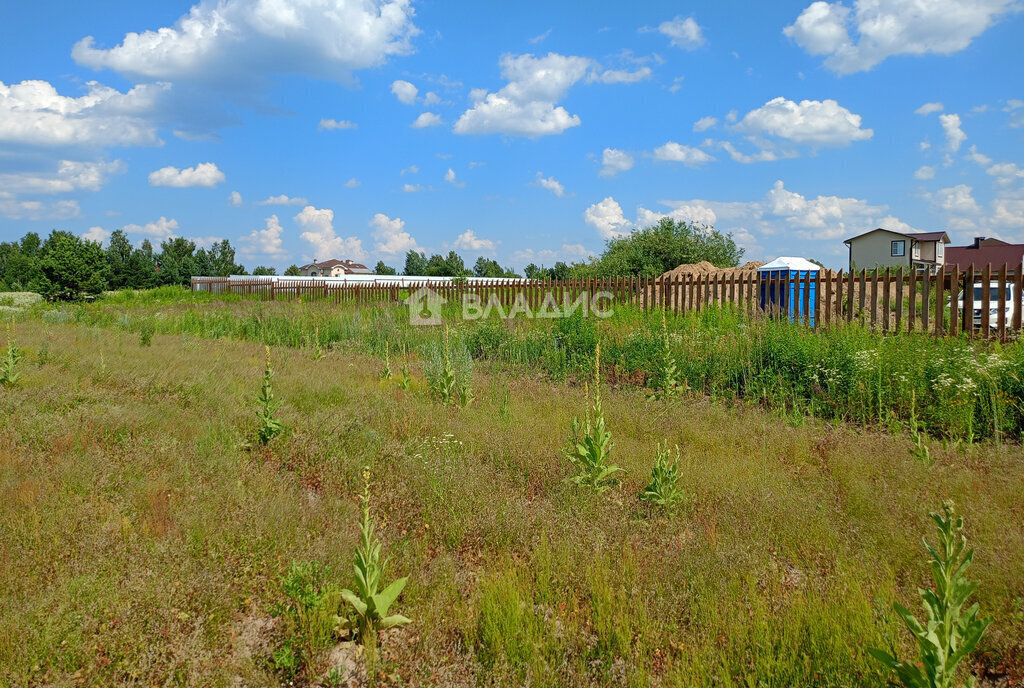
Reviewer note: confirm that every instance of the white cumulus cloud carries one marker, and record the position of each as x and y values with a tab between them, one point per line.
404	91
264	242
204	174
614	161
69	176
954	134
526	106
33	112
925	172
619	76
551	184
37	210
608	219
929	108
318	224
390	236
97	234
860	38
283	200
243	40
675	152
705	123
335	124
956	199
469	241
427	119
684	33
810	122
161	229
235	199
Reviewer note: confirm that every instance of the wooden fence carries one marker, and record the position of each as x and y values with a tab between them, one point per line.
886	300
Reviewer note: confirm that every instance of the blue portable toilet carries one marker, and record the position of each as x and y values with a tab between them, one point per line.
788	296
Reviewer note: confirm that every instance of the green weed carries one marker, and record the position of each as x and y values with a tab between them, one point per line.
590	442
951	633
369	603
663	489
269	426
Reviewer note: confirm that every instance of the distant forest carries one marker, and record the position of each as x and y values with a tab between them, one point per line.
68	267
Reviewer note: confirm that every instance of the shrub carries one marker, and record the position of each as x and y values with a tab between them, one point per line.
950	633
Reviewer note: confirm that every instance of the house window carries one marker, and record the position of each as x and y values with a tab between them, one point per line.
938	251
899	248
916	252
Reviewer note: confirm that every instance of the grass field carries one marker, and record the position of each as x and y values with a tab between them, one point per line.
143	542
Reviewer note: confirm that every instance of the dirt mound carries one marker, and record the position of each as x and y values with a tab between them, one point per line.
706	268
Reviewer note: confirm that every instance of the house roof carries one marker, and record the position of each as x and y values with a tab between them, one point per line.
929	236
916	236
347	265
978	256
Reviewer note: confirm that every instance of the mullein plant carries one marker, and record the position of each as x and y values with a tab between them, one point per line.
590	442
370	605
269	426
9	373
663	490
445	382
951	632
667	381
405	381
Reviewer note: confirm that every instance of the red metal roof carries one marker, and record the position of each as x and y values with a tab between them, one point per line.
965	256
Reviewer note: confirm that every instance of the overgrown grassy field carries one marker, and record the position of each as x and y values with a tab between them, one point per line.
144	540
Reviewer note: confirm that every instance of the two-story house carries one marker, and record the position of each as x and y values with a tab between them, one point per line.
334	268
886	248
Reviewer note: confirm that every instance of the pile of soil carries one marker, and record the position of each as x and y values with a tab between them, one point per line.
705	268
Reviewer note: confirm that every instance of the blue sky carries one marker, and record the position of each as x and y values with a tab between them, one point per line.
527	132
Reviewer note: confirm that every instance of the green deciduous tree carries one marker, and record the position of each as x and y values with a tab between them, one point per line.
657	249
292	271
383	269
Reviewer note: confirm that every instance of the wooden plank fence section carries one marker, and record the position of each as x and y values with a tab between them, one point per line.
933	303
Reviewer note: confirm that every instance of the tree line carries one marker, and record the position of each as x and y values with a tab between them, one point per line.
68	267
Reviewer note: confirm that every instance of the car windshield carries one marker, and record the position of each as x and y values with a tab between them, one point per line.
993	292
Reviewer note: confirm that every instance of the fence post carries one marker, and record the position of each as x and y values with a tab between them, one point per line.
1001	319
969	299
899	300
986	300
925	301
954	300
886	303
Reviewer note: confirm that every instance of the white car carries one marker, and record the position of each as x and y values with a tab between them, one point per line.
993	304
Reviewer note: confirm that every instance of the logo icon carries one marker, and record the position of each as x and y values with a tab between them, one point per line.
425	306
